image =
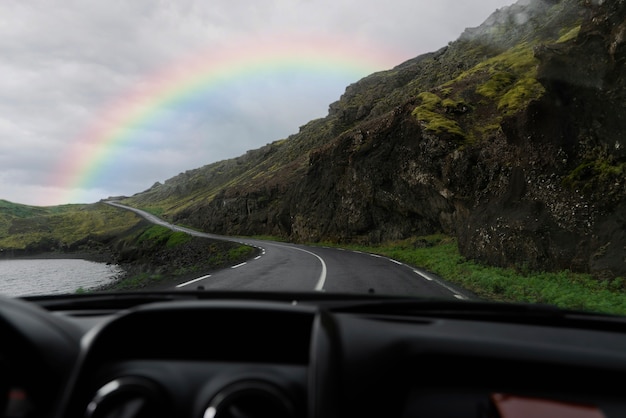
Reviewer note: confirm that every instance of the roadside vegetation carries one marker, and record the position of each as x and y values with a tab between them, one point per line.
439	254
153	255
161	236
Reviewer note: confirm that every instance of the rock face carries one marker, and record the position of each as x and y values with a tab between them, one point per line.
516	147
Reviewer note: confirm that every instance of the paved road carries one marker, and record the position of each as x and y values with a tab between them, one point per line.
291	267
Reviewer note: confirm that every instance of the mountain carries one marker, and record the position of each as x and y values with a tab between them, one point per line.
509	138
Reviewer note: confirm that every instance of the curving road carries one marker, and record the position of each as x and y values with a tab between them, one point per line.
291	267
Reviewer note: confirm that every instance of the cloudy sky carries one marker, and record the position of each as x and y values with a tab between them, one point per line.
102	98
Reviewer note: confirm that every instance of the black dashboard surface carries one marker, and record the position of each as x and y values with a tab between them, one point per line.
289	355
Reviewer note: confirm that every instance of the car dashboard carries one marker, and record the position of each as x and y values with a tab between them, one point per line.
246	355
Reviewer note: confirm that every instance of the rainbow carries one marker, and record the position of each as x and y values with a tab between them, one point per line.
81	165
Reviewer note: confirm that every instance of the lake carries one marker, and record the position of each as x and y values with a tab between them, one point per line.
30	277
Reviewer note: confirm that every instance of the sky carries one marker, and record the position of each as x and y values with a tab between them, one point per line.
105	98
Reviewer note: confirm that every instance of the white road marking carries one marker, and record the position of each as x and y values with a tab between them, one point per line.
239	265
433	279
425	276
194	280
322	279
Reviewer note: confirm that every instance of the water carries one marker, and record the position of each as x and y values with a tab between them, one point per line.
53	276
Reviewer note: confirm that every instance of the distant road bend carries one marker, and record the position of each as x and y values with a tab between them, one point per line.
290	267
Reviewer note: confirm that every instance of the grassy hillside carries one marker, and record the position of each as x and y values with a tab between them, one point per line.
149	254
61	228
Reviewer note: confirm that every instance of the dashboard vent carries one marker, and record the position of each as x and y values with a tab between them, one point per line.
129	397
250	399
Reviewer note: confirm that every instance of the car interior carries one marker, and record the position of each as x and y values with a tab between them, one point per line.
238	354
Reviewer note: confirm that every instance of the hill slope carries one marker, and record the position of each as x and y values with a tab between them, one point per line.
509	138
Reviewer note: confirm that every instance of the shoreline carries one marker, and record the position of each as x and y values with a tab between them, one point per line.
155	270
168	283
82	255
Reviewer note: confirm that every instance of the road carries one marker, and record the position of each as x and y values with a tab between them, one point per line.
292	267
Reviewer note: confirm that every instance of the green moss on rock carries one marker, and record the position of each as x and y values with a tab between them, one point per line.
431	113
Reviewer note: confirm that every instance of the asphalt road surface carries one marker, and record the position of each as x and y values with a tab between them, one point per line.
290	267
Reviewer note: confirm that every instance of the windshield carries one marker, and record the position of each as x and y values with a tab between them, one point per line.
450	150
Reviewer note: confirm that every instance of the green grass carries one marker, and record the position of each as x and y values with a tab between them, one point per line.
269	238
568	34
239	253
22	226
496	87
512	82
563	289
160	235
138	281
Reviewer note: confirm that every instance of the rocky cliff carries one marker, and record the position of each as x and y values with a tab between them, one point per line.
510	138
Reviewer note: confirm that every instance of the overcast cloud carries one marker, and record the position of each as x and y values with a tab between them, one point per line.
65	62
